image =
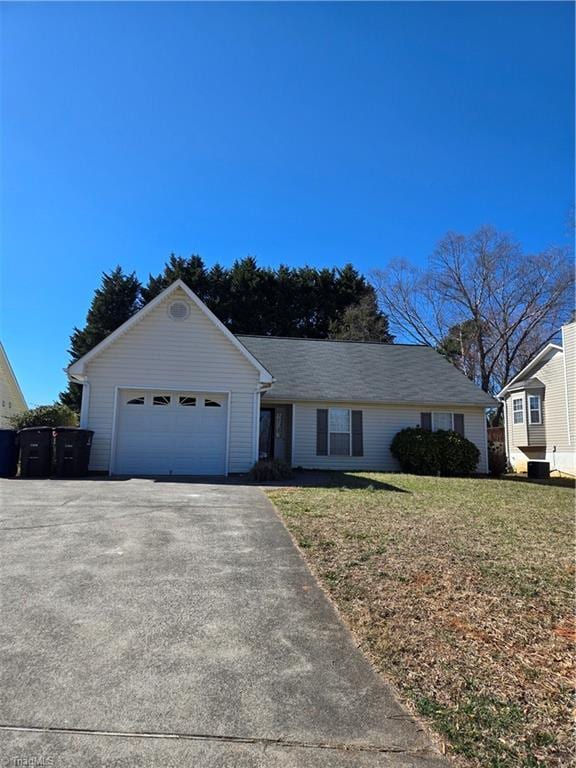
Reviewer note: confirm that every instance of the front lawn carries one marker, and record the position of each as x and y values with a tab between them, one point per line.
461	593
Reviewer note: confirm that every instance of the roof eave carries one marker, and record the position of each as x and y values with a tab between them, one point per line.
536	359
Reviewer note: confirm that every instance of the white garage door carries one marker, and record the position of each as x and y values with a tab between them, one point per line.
171	433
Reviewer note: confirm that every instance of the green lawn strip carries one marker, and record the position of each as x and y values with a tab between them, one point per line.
460	591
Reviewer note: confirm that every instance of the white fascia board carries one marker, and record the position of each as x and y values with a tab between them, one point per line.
543	352
76	369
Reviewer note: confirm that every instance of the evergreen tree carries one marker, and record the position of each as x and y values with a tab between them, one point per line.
191	271
250	294
114	302
301	301
362	322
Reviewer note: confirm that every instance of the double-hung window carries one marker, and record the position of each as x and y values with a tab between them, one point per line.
535	409
442	420
518	410
339	431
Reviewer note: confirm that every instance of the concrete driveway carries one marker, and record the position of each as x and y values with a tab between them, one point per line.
166	624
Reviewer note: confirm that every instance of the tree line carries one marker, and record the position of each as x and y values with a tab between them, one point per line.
479	299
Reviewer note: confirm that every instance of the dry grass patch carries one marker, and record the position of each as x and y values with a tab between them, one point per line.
461	592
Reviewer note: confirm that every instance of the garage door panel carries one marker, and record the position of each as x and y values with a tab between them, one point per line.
173	439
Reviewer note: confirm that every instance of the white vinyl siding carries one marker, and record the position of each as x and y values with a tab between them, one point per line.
569	343
380	424
11	402
188	355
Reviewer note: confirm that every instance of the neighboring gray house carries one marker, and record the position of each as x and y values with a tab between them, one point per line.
540	408
12	400
172	391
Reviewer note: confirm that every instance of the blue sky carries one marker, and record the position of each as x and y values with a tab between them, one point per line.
299	133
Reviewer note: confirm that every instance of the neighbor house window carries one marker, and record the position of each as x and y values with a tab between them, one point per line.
518	410
339	431
187	401
535	409
442	420
161	400
135	401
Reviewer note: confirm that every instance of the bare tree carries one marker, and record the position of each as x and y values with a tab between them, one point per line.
482	301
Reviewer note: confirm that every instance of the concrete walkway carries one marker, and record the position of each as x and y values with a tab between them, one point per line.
166	624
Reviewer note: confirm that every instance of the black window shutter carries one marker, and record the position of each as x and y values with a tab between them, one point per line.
426	421
357	436
459	423
322	432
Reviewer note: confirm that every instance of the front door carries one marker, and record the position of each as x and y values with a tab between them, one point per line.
266	445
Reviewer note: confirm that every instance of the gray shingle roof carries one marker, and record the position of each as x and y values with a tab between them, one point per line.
533	383
312	369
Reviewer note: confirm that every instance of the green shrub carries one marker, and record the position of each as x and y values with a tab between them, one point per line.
422	452
55	415
417	451
458	456
270	469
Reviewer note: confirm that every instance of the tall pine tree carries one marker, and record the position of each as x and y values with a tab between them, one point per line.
114	302
288	301
362	322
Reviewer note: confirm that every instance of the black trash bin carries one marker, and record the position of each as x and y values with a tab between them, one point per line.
539	470
8	452
72	451
35	451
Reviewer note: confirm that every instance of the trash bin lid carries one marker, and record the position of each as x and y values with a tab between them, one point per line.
36	429
78	430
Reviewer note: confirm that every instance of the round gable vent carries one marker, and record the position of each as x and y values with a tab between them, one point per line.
179	310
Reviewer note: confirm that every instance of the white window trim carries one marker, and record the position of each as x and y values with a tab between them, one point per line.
331	432
530	409
434	428
519	411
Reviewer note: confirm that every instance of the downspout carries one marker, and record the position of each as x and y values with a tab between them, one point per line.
85	405
487	454
506	435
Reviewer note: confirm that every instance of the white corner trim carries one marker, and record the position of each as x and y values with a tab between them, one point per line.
112	462
77	367
228	412
566	392
486	456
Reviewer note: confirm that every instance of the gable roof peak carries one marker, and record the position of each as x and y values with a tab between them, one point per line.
76	369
